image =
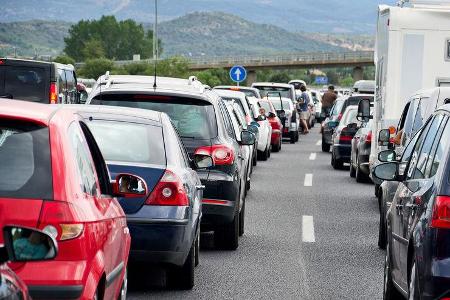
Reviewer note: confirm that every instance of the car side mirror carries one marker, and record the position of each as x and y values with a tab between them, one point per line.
247	137
364	110
82	97
386	171
254	123
387	156
253	129
129	186
271	115
384	136
202	161
352	125
28	244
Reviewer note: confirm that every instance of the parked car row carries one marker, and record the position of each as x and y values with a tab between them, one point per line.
132	176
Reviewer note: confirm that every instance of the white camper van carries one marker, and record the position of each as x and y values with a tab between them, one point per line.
412	53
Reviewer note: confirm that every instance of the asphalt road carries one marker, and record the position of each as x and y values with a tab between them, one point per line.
301	242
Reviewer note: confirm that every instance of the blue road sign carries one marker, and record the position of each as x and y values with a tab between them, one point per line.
321	80
238	73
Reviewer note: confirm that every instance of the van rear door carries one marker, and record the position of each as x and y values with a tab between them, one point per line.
22	82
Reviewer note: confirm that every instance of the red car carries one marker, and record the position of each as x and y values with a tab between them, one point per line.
275	122
53	178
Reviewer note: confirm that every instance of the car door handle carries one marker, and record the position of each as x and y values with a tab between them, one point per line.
240	156
200	187
411	206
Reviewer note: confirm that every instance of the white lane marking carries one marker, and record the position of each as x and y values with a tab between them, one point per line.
308	180
319	143
313	156
308	229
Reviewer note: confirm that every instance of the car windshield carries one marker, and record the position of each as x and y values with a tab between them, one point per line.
25	166
350	117
277	104
193	118
271	91
143	143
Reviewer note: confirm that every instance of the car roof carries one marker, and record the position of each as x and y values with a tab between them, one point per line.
276	84
228	93
236	88
117	111
18	61
30	111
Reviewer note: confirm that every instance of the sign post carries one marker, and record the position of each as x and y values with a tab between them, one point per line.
238	74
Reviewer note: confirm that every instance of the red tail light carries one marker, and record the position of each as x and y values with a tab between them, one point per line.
53	93
345	138
441	212
369	137
57	220
221	154
168	192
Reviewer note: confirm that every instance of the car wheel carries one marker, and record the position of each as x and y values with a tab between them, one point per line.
227	236
325	146
297	136
360	177
247	186
390	292
292	135
183	278
269	150
352	170
281	143
242	220
377	190
255	158
336	163
382	231
197	250
124	287
414	284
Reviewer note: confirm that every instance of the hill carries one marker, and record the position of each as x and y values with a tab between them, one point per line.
340	16
196	34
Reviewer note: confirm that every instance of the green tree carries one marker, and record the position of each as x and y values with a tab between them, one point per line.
64	59
280	77
118	39
93	68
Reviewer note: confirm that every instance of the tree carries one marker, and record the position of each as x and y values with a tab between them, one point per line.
333	77
93	68
280	77
64	59
109	38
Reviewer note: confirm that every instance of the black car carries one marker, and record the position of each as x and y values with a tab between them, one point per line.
38	81
198	115
359	158
332	121
418	220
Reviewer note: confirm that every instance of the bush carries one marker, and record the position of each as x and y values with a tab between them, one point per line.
93	68
64	59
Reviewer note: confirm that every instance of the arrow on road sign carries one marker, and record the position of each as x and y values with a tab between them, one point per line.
238	74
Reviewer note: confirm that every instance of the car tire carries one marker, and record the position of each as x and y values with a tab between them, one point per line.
352	170
377	190
336	163
292	135
382	231
414	291
227	236
124	288
242	220
255	158
248	186
390	292
184	277
360	176
297	136
269	150
325	146
197	250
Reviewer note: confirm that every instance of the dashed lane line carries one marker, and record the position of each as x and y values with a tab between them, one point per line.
312	156
308	235
308	180
319	143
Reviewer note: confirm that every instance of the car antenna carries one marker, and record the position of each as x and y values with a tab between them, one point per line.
155	44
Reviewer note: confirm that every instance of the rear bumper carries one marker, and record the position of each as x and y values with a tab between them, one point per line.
55	292
342	152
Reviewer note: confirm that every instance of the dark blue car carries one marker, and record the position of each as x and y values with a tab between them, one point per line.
418	220
165	223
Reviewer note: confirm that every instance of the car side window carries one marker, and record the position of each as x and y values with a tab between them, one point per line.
71	87
422	150
182	150
83	160
226	120
439	148
61	82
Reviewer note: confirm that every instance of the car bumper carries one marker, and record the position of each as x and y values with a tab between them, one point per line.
437	286
364	164
342	152
162	234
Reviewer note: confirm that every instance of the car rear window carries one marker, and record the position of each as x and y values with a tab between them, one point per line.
129	142
350	117
248	93
337	108
273	91
24	83
193	118
277	104
238	101
266	106
25	165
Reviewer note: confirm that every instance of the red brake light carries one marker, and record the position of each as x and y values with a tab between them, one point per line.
2	61
441	212
57	220
345	138
169	192
369	137
221	154
53	93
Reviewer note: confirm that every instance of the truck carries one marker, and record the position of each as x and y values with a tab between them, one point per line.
412	52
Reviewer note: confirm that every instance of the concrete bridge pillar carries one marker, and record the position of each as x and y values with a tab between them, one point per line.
358	73
251	77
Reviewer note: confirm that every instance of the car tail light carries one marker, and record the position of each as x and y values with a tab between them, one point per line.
2	61
169	191
57	220
441	212
369	137
53	93
344	138
221	154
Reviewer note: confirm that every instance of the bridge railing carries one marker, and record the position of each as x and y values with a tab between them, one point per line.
286	58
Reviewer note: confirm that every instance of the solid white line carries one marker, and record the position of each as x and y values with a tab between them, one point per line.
313	156
308	229
308	179
319	143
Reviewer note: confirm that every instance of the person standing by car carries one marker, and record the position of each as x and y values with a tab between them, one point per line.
304	109
328	100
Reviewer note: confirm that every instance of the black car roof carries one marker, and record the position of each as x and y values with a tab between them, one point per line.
28	62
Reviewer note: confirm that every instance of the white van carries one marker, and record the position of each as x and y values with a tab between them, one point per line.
412	53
